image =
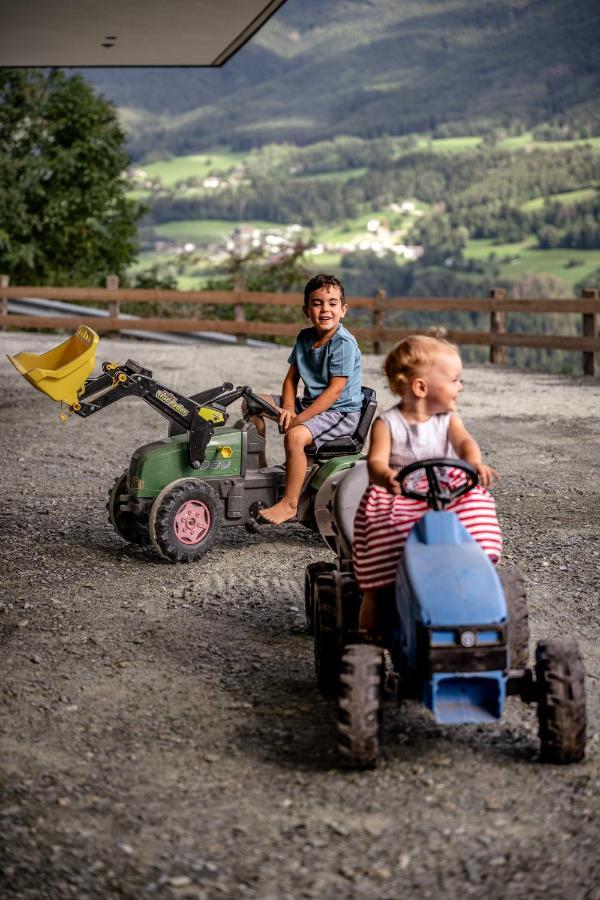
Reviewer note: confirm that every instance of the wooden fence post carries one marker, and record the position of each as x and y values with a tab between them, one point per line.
377	321
114	306
591	328
239	314
4	280
498	326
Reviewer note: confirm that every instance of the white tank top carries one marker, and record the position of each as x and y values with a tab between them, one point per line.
418	440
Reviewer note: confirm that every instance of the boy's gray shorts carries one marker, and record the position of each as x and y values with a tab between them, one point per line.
327	425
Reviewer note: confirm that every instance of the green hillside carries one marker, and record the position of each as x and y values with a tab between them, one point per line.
369	68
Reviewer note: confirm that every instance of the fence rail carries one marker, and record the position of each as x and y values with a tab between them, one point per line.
497	306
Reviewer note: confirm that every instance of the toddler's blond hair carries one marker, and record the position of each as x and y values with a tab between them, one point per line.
411	356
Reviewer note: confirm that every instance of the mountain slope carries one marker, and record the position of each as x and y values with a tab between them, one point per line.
368	67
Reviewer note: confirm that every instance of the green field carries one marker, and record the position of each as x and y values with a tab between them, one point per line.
205	231
448	145
356	229
325	262
514	260
342	175
180	168
571	266
566	197
526	140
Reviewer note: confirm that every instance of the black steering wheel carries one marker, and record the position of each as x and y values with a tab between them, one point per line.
438	495
255	404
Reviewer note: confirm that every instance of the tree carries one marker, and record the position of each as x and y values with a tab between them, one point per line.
64	214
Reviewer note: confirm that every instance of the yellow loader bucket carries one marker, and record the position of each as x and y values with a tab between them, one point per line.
60	373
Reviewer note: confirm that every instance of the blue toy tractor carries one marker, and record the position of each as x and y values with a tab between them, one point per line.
454	627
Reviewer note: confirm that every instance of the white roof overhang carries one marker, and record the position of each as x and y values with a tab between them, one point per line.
128	32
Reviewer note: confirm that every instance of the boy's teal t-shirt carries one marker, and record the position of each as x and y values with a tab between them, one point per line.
338	357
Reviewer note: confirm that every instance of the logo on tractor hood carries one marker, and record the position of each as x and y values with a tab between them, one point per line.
172	401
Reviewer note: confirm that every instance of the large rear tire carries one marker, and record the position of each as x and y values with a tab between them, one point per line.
518	615
131	528
185	519
561	701
360	716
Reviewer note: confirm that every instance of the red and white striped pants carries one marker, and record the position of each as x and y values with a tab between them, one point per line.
383	521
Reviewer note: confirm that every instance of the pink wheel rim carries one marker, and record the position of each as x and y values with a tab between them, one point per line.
192	522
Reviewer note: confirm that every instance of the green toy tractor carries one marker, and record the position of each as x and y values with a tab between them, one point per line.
180	491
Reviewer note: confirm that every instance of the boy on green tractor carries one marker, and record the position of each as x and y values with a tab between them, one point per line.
178	492
326	358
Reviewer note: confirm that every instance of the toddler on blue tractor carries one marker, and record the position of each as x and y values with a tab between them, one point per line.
454	626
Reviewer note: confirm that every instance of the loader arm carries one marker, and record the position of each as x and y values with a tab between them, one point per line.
133	380
62	374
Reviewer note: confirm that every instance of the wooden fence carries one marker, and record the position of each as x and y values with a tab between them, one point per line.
497	306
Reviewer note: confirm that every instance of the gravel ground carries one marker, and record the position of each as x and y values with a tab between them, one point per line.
161	732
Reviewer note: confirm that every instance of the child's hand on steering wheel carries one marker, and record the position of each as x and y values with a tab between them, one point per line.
390	482
487	474
285	417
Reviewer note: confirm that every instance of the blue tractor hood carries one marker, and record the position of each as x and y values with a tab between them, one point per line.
451	579
445	579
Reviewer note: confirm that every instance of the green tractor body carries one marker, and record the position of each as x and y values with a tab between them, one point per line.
155	465
179	491
230	468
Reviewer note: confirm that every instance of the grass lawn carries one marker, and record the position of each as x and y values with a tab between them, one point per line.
194	281
205	231
324	262
515	142
141	194
449	145
528	258
145	260
354	229
527	140
198	232
566	197
340	175
170	171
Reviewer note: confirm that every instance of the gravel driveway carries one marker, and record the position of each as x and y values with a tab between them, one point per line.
161	732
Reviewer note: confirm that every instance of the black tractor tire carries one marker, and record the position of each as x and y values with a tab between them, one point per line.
132	529
310	575
327	640
185	519
518	615
360	714
561	701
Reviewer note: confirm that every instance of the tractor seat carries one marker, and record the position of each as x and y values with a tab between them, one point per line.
343	446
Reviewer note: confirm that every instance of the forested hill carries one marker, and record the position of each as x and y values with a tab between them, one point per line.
369	67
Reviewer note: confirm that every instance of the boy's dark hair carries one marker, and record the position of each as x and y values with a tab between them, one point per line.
320	281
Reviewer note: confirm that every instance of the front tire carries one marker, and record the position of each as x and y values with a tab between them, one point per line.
131	528
561	702
326	638
360	715
518	615
313	570
184	520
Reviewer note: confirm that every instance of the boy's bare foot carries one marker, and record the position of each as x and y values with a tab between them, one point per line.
281	512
